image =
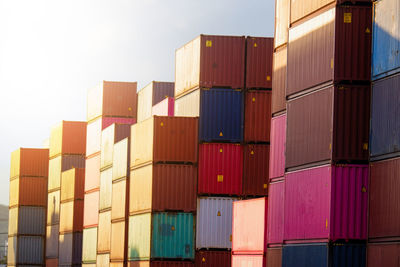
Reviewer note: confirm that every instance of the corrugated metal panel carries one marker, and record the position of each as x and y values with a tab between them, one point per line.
259	52
72	184
162	187
161	91
276	205
29	162
70	251
277	148
220	169
386	38
71	216
164	139
89	245
383	254
120	199
77	248
61	164
28	191
210	61
384	210
274	258
319	128
105	189
221	115
92	173
68	137
257	121
256	170
139	236
52	241
213	258
282	12
328	203
160	264
145	102
104	234
93	137
214	223
188	105
51	262
248	260
109	136
91	209
385	114
164	108
30	221
119	239
103	260
121	159
53	208
342	53
279	80
107	121
26	250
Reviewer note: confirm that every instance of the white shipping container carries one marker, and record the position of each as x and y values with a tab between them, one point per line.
188	105
93	137
103	260
145	102
89	246
120	159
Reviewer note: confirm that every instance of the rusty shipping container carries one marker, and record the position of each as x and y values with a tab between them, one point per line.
255	169
279	71
259	52
208	258
30	162
28	191
60	164
331	124
257	118
68	137
160	264
109	136
384	197
164	139
282	12
277	148
383	254
274	257
162	187
342	53
210	61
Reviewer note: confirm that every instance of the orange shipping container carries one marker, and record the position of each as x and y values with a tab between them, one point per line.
71	216
68	137
51	262
29	162
104	233
28	191
72	184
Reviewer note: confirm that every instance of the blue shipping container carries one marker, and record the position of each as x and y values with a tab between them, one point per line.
324	254
221	115
386	39
385	118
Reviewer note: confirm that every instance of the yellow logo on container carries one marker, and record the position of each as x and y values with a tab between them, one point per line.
268	78
220	150
218	213
208	43
254	99
220	134
220	178
129	108
367	30
365	146
347	17
252	152
203	259
265	186
162	124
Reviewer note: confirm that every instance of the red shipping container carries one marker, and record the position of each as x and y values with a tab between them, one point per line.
279	81
160	264
210	258
276	206
91	209
220	169
68	137
383	255
31	162
278	144
249	226
342	53
92	173
274	257
257	121
249	260
256	169
259	52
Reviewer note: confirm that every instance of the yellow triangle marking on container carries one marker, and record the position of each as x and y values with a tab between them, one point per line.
162	124
254	99
365	146
268	78
219	213
255	44
252	152
265	186
367	30
220	178
203	259
220	134
364	190
220	150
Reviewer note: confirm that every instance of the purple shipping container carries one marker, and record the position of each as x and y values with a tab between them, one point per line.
276	205
326	203
278	143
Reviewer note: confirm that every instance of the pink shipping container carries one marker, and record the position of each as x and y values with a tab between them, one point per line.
220	169
249	229
277	148
248	261
91	209
164	108
92	173
276	205
326	203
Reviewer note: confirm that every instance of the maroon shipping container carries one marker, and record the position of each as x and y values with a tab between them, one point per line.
278	144
160	264
220	169
342	52
384	199
257	121
259	52
383	255
255	170
331	124
276	211
279	81
209	258
274	257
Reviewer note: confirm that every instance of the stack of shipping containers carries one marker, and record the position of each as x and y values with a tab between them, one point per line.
384	208
27	212
67	151
108	103
328	96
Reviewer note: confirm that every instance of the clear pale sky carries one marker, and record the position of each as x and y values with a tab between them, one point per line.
52	51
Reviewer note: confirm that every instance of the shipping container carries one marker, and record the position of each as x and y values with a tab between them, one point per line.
257	118
119	240
103	260
327	203
104	233
72	184
105	189
52	233
52	263
91	209
92	173
68	137
276	205
110	136
249	231
248	260
53	208
279	71
385	122
331	124
160	263
121	159
25	250
60	164
220	169
214	223
282	13
383	254
28	191
210	61
70	250
150	95
164	108
324	255
385	38
277	148
384	197
120	199
161	236
163	187
342	53
274	257
107	121
31	162
188	105
259	53
112	99
164	139
27	220
89	245
256	169
71	216
210	258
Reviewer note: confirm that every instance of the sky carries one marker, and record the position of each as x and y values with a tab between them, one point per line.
51	52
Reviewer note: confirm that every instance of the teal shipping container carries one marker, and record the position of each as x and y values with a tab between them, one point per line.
161	235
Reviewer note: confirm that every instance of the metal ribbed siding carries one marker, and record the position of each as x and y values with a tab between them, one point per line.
68	137
105	189
89	245
162	90
27	220
207	258
383	254
29	162
274	258
259	52
70	250
25	250
282	12
214	223
277	148
276	205
61	164
104	232
52	233
121	159
28	191
255	169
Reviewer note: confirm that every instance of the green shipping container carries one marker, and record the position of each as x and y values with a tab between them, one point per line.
161	235
89	251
